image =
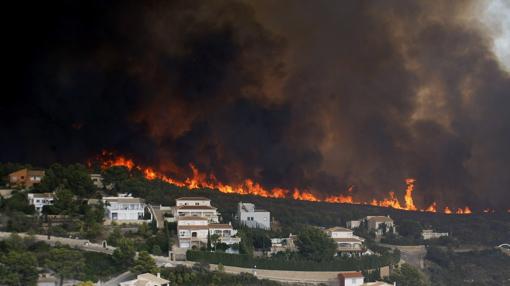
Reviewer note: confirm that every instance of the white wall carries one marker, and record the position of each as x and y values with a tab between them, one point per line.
252	219
353	281
192	203
341	234
192	222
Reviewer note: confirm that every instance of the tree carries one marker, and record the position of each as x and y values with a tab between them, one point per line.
214	239
408	276
156	250
64	201
67	263
73	177
125	252
19	267
114	237
144	263
115	176
315	245
410	228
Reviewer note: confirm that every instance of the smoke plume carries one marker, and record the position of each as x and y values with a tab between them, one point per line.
316	95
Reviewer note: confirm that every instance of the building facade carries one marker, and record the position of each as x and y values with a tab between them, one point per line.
251	217
346	241
351	279
39	200
195	206
430	234
25	178
124	209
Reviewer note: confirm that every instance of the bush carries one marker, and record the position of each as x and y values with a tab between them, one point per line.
247	261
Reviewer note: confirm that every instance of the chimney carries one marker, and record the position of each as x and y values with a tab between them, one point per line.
159	275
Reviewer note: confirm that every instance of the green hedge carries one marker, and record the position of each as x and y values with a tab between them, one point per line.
245	261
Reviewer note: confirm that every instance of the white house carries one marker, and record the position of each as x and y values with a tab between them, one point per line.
351	279
39	200
345	239
192	231
195	206
430	234
248	215
125	209
376	223
353	224
147	279
282	244
225	231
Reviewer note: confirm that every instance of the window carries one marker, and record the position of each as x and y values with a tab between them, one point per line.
197	204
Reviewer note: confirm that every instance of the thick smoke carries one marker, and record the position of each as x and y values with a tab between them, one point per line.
318	95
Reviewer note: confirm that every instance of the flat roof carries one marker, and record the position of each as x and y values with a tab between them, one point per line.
123	200
347	239
42	195
195	208
191	218
192	199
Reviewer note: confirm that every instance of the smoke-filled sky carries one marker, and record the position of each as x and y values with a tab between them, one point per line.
318	95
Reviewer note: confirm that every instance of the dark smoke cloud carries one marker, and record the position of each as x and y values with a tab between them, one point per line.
318	95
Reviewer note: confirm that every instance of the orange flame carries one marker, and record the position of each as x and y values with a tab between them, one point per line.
249	187
432	208
409	194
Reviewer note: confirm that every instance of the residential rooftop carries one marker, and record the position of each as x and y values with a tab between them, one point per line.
195	208
192	199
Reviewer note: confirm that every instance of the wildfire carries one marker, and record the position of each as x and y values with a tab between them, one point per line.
249	187
432	208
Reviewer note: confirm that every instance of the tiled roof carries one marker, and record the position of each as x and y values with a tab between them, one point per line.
380	219
220	225
350	275
339	229
193	227
152	278
42	195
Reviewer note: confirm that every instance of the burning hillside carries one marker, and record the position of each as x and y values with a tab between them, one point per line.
249	187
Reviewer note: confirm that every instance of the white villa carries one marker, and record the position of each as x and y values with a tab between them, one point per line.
251	217
430	234
376	223
125	208
195	206
351	278
39	200
147	279
345	239
283	244
197	220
